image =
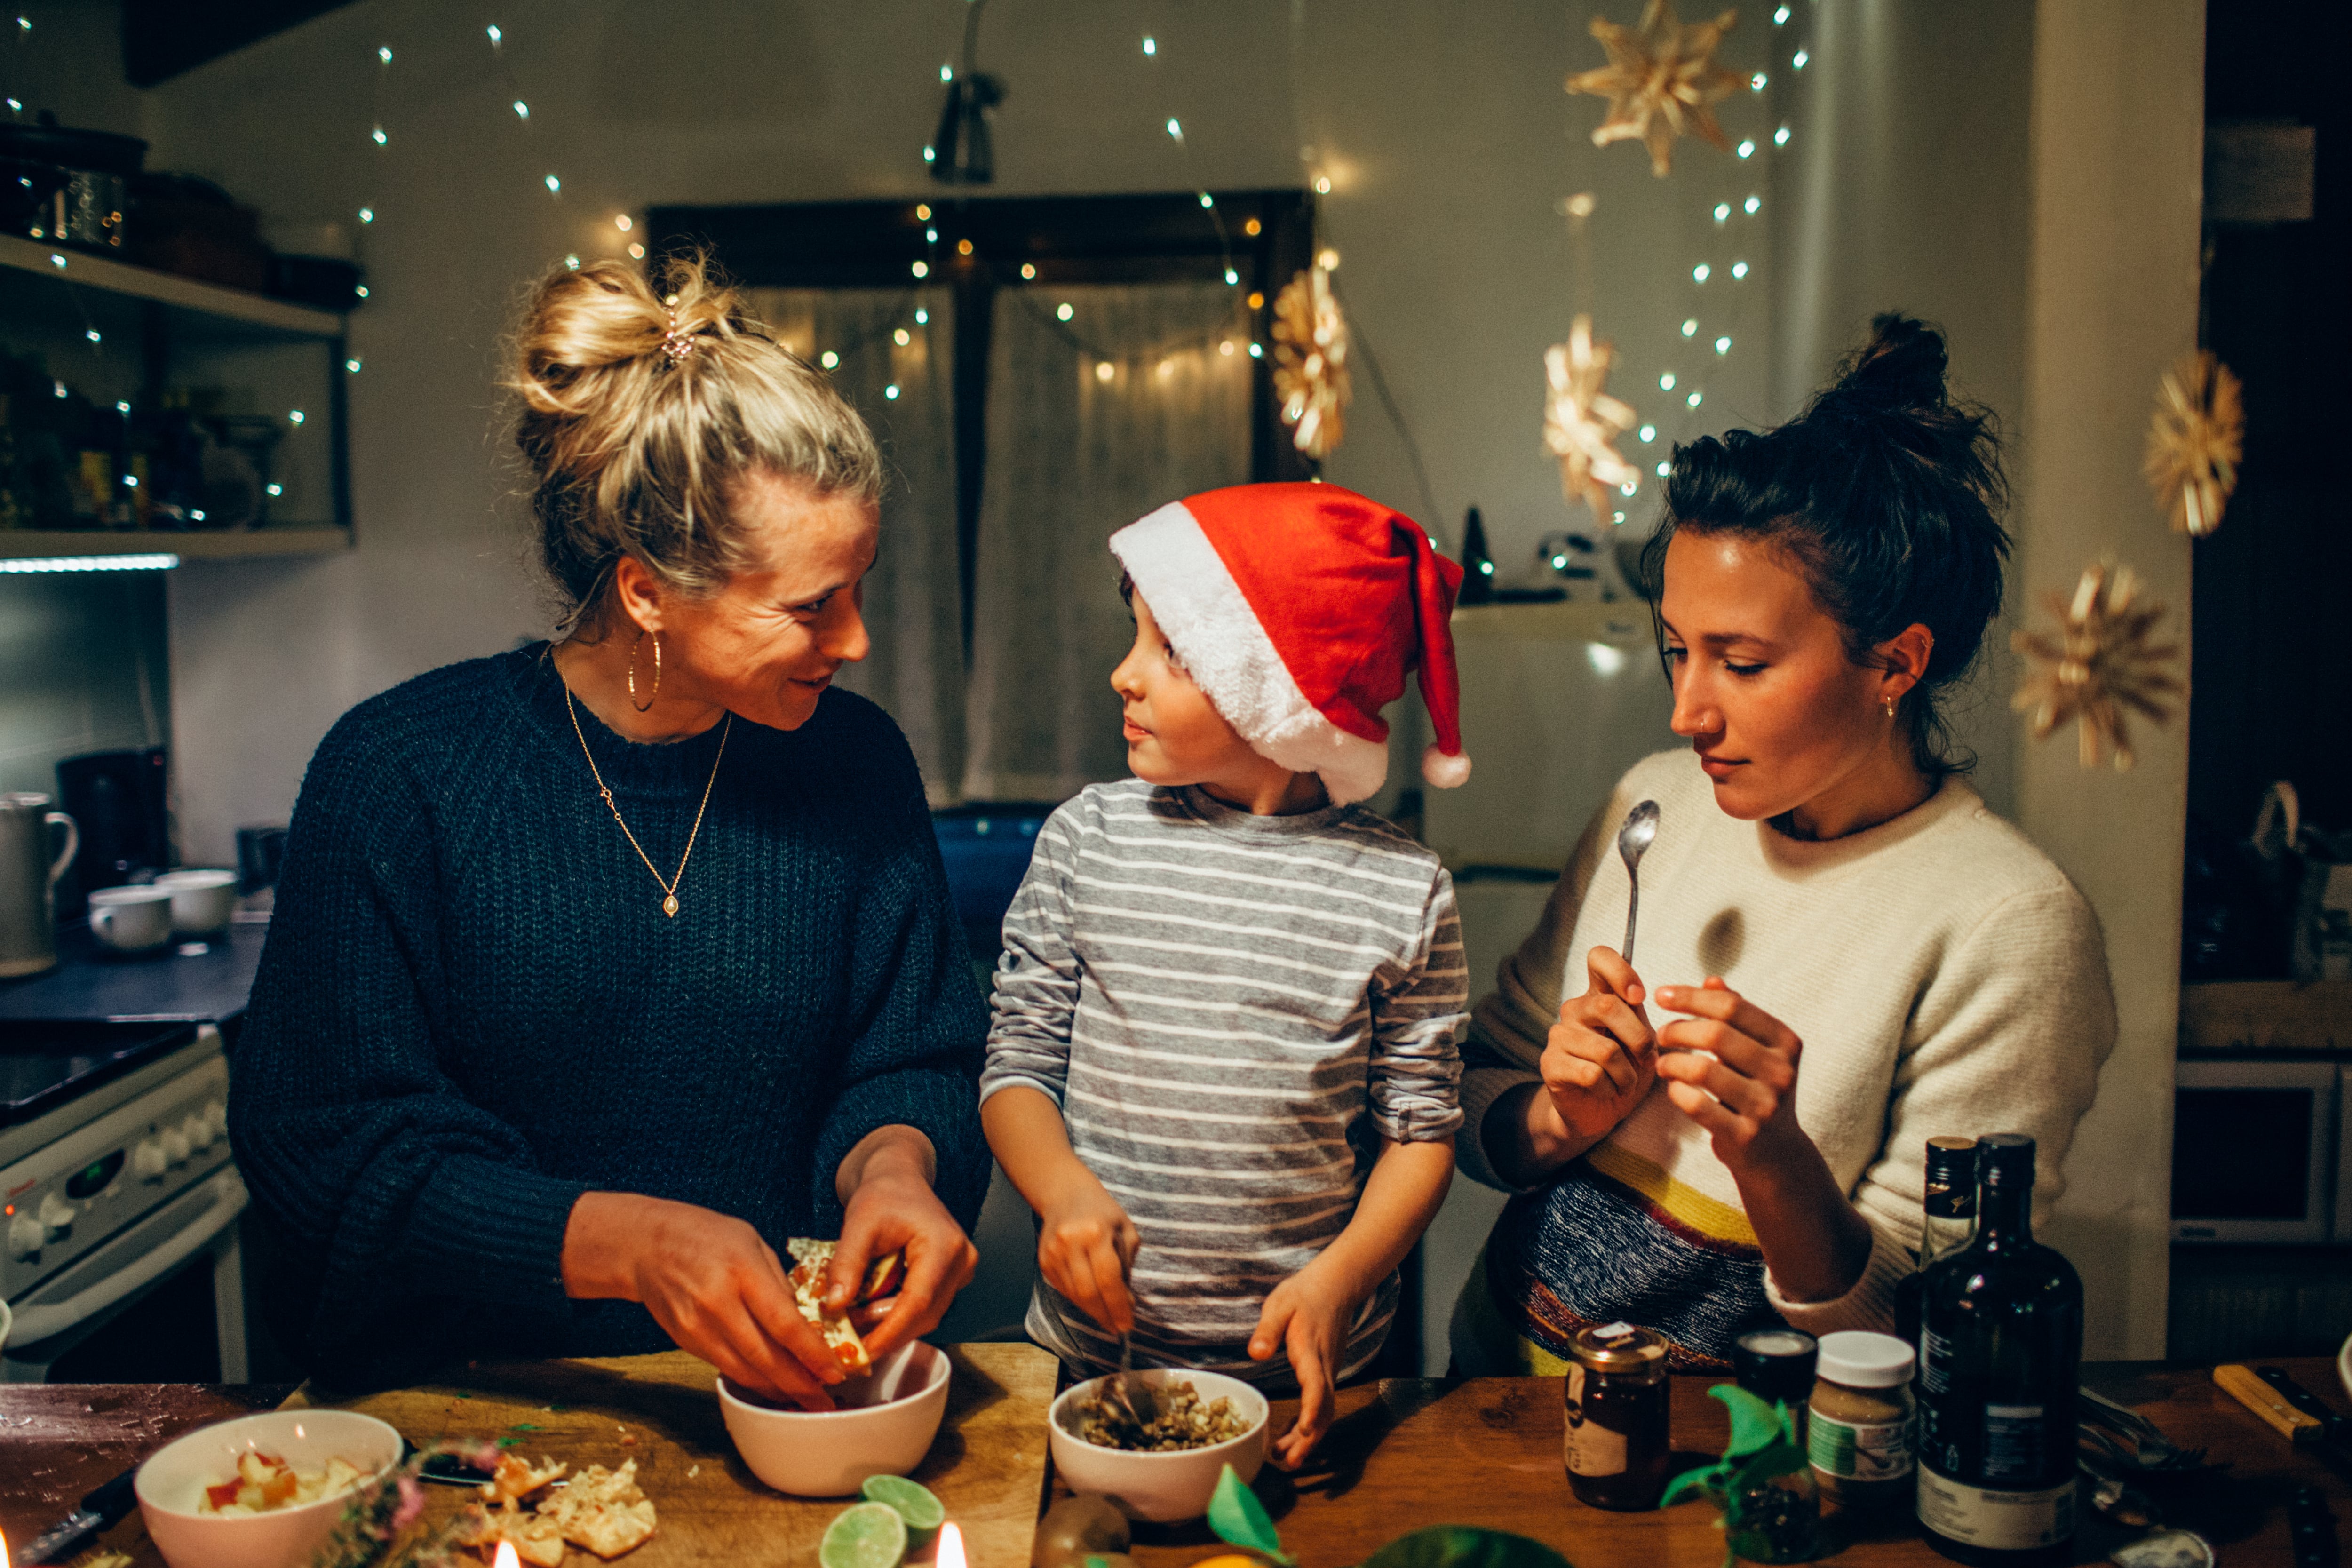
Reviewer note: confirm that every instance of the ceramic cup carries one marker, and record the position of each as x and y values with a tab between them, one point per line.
202	901
131	920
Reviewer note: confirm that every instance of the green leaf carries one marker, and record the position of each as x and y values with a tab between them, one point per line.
1777	1458
1690	1482
1459	1546
1754	1423
1240	1519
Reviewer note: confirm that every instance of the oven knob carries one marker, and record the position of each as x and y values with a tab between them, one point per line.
198	1130
147	1161
175	1145
25	1235
217	1113
56	1216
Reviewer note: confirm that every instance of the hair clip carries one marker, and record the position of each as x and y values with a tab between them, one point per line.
678	342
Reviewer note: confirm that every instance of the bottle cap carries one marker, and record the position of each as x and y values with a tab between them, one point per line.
1860	1359
2005	1160
1617	1347
1775	1363
1951	1162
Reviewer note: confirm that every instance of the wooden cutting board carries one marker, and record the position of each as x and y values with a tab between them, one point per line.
988	1465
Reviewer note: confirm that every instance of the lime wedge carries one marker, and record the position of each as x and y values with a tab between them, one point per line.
865	1535
915	1504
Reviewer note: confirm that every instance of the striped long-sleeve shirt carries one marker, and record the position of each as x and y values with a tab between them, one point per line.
1232	1011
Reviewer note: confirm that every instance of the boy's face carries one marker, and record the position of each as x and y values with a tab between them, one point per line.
1174	735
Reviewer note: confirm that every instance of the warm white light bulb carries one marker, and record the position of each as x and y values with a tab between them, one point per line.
828	359
294	417
1780	137
522	110
1739	270
122	404
379	136
1207	200
1722	211
1232	279
1723	345
92	334
931	237
922	318
1692	400
1028	269
1701	273
1664	468
1666	381
946	73
1746	148
352	365
1756	83
1690	327
1649	433
1103	371
1151	45
1753	204
1065	311
891	392
1175	131
495	34
1780	17
902	337
1323	186
384	53
1799	59
929	154
1258	350
922	268
554	186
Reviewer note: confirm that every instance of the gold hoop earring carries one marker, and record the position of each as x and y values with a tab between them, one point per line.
647	705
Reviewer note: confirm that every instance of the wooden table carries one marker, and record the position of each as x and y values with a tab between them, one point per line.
1405	1454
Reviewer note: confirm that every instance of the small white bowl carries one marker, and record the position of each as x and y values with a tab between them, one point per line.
884	1427
171	1485
203	899
1160	1488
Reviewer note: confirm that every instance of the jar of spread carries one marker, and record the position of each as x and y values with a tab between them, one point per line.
1616	1399
1862	1420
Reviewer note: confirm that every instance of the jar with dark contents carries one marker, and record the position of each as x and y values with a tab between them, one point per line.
1776	1519
1616	1398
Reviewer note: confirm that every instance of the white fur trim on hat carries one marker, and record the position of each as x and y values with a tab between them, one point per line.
1200	610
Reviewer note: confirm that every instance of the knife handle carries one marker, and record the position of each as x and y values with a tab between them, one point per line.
2249	1390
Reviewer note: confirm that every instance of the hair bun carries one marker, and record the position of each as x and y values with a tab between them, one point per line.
1901	368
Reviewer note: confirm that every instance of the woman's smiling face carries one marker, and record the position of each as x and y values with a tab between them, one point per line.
1779	712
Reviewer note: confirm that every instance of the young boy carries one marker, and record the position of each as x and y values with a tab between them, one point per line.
1223	1062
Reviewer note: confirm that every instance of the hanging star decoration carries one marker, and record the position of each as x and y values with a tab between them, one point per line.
1310	359
1581	422
2100	664
1660	78
2196	441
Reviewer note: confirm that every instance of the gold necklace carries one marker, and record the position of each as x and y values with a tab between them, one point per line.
670	887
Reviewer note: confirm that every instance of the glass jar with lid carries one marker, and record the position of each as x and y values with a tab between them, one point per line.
1616	1400
1863	1420
1775	1517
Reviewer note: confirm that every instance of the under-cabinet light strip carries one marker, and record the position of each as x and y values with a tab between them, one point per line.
91	564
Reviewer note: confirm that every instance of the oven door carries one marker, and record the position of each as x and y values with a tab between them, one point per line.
2254	1147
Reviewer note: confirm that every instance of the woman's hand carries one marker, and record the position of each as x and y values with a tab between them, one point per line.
1601	1056
712	1283
1816	1244
1085	1245
887	1206
1746	1098
1307	1315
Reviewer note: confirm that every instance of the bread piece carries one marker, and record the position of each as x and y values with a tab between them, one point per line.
603	1511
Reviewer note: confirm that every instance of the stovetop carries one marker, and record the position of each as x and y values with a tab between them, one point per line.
46	1062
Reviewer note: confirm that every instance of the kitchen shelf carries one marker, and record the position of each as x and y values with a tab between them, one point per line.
2267	1016
274	317
1623	624
189	544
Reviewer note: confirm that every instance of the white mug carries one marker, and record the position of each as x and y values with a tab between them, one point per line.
131	920
202	901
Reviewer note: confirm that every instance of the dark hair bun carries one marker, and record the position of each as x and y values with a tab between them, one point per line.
1902	367
1887	492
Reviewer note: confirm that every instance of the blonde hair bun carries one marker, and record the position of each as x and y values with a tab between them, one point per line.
641	410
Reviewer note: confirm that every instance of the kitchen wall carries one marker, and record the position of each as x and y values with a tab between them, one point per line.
88	669
1909	181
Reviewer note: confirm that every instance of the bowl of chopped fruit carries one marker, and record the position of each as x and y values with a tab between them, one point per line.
260	1491
1163	1464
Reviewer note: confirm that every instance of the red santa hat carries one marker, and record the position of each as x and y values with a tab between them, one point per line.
1298	609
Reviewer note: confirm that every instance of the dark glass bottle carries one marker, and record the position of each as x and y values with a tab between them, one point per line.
1948	1220
2000	1339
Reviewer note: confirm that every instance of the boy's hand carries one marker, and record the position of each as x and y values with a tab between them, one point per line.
1307	1315
1085	1245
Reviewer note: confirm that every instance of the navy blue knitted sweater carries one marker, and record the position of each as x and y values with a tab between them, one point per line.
471	1008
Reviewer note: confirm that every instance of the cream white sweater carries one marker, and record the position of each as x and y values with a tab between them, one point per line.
1944	974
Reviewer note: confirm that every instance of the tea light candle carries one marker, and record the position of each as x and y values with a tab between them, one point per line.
505	1559
951	1546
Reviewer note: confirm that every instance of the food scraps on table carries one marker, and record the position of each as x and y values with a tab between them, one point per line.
604	1511
1182	1420
812	1262
264	1483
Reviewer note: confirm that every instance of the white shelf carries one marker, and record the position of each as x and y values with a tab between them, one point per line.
20	544
1624	623
168	289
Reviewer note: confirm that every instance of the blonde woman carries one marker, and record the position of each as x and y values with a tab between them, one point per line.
601	968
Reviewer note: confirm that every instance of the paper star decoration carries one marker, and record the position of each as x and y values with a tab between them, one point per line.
1659	80
1310	359
2196	441
1581	422
2100	664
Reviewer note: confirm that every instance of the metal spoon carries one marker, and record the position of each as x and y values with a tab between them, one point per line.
1128	1393
1632	839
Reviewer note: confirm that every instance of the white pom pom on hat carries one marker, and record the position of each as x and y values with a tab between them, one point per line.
1445	770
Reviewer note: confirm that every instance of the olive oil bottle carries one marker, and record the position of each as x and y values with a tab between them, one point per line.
2000	1340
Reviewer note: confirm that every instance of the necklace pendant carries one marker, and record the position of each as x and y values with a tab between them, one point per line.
669	906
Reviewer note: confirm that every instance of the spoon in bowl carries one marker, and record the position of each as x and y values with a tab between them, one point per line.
1632	839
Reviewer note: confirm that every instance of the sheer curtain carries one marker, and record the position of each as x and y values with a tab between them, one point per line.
905	392
1141	396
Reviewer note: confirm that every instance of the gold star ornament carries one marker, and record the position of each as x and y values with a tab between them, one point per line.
1660	78
2196	441
1310	359
2100	664
1582	422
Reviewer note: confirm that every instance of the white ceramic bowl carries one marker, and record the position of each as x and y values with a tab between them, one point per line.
171	1485
884	1427
202	901
1160	1488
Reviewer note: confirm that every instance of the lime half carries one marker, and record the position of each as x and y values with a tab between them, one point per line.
915	1504
865	1535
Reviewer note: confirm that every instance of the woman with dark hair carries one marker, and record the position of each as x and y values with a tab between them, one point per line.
1855	954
